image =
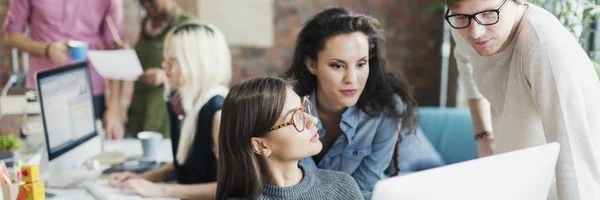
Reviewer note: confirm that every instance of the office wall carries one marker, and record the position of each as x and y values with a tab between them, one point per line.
414	39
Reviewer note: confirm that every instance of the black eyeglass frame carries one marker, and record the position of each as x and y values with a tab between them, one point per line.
473	16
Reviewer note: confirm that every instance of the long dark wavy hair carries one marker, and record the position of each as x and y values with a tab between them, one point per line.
249	110
381	87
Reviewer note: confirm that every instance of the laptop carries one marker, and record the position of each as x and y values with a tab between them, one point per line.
519	175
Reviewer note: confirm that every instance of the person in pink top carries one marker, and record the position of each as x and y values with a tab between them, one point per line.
54	22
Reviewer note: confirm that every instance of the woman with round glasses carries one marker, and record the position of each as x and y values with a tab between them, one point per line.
540	85
339	61
266	128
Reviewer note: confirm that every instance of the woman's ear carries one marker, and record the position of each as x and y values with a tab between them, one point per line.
260	147
311	65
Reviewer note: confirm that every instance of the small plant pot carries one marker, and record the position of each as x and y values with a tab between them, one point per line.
9	157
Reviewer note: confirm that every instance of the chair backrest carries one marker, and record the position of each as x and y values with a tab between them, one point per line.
450	130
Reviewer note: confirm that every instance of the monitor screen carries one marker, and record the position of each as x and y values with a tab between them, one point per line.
67	108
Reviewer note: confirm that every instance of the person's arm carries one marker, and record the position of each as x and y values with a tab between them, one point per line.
416	153
350	189
112	117
558	77
14	27
15	23
127	88
215	132
478	105
113	37
161	174
146	188
145	185
19	41
197	191
482	122
372	166
193	191
57	51
112	34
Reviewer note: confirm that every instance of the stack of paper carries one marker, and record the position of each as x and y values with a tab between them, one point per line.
116	64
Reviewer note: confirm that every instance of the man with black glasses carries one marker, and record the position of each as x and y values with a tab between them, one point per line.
540	85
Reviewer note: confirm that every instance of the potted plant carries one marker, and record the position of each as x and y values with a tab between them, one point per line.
9	148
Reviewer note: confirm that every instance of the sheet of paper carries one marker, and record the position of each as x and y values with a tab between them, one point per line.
116	64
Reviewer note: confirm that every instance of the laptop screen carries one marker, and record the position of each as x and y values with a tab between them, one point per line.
67	107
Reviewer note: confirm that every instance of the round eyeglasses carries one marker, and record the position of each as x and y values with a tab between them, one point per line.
298	117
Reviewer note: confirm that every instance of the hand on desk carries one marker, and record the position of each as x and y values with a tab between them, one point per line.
134	183
117	179
143	187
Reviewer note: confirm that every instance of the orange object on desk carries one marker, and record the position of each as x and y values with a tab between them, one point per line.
23	192
37	191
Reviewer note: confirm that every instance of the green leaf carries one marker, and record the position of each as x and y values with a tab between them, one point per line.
9	143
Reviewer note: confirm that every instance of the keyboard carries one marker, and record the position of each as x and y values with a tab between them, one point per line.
72	178
102	191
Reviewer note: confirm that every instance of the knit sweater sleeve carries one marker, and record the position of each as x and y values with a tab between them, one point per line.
337	185
558	74
351	191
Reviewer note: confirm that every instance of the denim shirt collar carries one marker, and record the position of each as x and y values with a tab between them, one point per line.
348	123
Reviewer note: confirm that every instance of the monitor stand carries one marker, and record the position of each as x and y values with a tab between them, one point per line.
74	178
66	172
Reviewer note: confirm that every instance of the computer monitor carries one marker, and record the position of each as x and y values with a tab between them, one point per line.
67	108
519	175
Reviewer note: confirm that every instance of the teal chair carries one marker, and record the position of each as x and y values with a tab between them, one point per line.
450	131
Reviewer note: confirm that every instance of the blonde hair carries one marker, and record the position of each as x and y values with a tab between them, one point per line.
205	64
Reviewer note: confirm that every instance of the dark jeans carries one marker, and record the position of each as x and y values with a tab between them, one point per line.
99	106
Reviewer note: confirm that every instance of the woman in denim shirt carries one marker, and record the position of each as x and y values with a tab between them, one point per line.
339	61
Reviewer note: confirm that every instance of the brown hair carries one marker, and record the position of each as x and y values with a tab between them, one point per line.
382	87
249	110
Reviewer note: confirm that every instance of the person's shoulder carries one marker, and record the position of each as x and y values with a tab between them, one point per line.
542	36
334	179
217	100
181	17
214	104
540	28
399	106
331	175
339	184
382	118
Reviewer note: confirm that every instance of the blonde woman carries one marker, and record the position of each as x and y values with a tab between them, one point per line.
198	66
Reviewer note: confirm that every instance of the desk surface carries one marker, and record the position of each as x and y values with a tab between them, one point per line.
131	147
35	144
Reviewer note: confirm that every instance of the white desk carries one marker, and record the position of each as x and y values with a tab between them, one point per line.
35	144
131	147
